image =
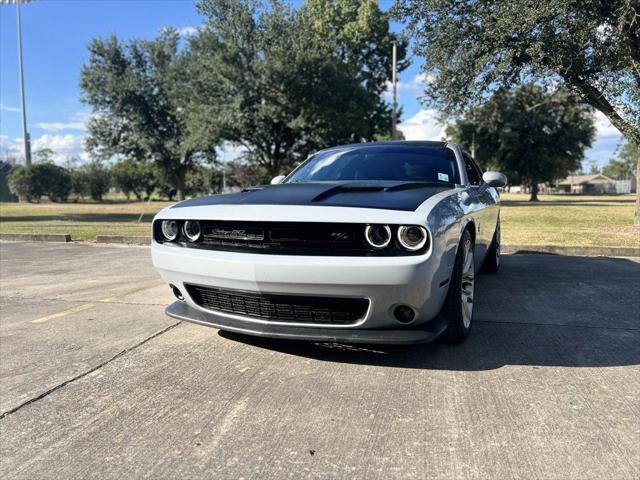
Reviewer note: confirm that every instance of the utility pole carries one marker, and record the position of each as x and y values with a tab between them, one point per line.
27	142
394	112
473	134
224	169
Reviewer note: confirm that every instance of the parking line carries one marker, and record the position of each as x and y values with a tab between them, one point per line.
87	306
64	313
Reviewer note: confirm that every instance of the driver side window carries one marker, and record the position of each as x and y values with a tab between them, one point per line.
473	173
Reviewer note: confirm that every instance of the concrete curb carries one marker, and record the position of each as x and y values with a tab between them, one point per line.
124	239
36	237
573	251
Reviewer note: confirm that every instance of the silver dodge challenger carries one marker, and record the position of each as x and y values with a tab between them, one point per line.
369	243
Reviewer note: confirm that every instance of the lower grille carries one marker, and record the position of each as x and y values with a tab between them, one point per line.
281	308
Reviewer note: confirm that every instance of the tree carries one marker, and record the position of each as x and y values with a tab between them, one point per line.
44	155
623	166
590	46
131	176
284	82
137	94
96	178
204	180
520	132
244	174
34	181
6	167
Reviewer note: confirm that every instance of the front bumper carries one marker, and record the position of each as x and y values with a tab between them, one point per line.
420	334
417	281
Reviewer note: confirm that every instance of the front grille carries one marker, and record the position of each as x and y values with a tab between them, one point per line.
287	238
281	308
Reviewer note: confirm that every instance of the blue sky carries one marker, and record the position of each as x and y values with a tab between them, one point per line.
55	35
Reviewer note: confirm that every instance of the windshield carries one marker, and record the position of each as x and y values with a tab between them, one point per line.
378	162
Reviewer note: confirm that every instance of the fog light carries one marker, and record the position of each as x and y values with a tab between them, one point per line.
404	314
177	292
170	229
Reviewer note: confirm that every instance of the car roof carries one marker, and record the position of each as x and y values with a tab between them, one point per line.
400	143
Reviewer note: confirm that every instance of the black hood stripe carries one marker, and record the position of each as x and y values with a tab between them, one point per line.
404	196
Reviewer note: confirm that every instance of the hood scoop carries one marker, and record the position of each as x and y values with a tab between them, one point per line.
346	188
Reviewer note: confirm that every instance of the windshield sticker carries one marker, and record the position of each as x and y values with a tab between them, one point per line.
443	176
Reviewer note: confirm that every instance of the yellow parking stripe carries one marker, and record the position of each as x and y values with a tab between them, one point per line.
87	306
69	311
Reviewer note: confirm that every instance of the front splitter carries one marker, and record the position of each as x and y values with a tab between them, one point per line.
410	335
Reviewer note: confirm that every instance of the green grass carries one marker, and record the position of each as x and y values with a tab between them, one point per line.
82	220
555	220
575	220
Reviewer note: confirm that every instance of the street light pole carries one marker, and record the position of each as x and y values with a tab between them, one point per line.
394	111
27	143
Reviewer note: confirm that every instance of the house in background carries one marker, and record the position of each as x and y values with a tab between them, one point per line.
593	184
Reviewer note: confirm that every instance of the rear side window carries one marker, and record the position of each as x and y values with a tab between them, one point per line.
473	171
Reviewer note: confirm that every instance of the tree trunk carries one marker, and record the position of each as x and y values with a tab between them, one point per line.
534	192
637	215
180	185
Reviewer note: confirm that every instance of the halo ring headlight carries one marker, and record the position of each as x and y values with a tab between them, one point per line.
169	230
412	237
378	236
192	230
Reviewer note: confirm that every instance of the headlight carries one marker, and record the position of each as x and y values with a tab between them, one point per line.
378	236
192	230
170	229
412	238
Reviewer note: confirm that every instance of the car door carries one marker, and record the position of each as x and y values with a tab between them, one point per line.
483	207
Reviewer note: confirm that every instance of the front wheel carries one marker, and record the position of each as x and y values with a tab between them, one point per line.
458	306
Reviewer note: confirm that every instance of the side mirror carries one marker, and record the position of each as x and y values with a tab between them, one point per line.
494	179
277	180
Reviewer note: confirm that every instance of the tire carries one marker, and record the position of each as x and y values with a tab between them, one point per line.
492	262
458	306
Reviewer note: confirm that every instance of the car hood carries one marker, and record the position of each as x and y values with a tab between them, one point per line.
404	196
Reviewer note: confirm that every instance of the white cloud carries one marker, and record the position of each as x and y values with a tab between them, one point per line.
416	85
57	126
604	128
10	146
63	146
187	31
423	126
77	122
7	108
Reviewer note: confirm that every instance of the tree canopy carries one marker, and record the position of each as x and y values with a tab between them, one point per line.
529	134
284	82
472	47
136	92
623	166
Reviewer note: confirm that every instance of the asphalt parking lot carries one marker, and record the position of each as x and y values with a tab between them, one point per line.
97	383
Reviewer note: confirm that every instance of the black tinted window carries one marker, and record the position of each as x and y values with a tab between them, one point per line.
396	163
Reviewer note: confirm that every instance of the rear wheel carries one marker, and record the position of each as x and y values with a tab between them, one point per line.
458	306
492	262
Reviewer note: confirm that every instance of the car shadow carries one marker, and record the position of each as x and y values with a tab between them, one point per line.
538	311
